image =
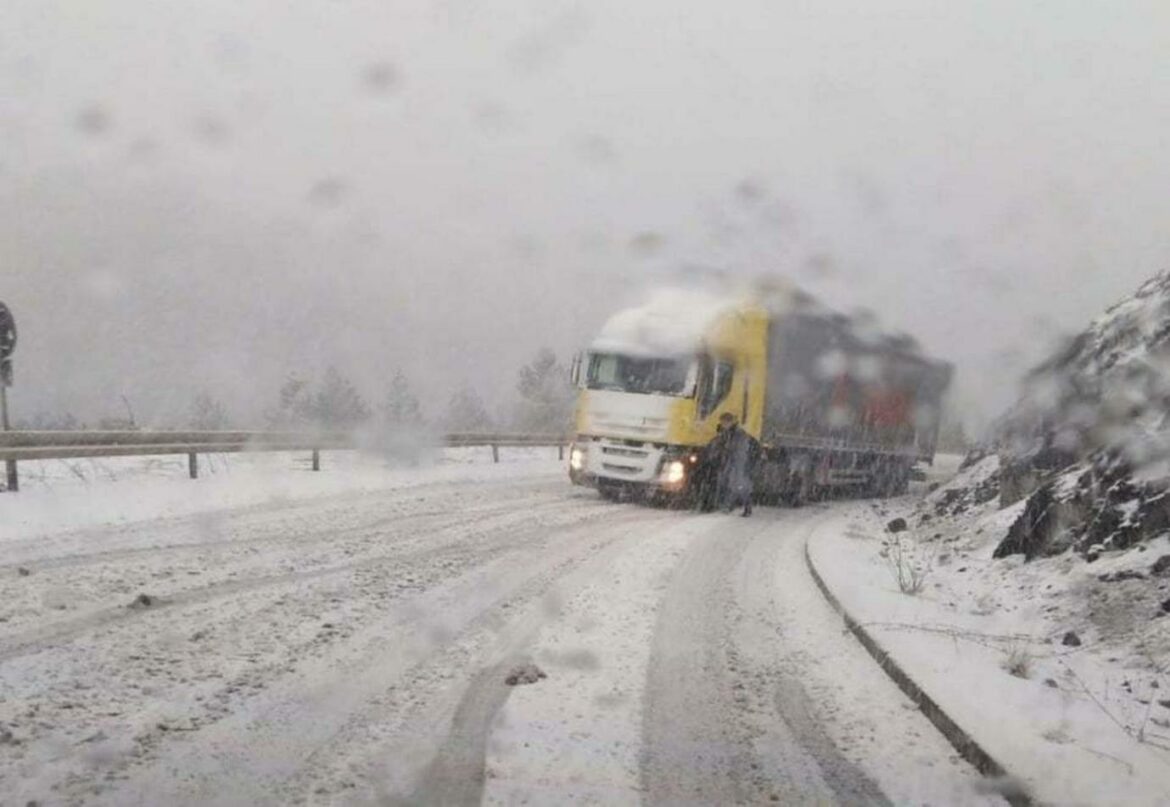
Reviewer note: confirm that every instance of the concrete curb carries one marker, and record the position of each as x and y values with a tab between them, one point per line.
1009	787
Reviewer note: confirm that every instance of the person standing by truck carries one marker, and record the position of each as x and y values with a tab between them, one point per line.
738	452
705	480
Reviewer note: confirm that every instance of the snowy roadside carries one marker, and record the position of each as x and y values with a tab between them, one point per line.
1025	658
63	495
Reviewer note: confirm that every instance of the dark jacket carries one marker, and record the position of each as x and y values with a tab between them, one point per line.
738	453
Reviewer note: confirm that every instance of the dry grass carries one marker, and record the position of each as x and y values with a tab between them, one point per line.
1018	661
909	562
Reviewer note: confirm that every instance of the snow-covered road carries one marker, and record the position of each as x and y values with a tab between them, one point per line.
352	648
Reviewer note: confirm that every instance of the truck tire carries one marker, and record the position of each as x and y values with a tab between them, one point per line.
889	479
611	493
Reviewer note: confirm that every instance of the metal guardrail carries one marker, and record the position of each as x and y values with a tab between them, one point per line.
49	445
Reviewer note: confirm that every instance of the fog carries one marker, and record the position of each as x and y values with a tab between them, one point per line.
207	197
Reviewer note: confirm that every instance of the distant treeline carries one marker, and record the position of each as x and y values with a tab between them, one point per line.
543	402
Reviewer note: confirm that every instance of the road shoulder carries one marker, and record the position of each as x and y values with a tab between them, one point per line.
1055	745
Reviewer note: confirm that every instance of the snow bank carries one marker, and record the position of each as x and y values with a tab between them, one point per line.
58	496
1052	666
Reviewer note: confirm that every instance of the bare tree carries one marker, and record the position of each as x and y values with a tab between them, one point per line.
43	421
208	414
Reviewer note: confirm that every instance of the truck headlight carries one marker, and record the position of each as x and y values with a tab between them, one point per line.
675	472
577	458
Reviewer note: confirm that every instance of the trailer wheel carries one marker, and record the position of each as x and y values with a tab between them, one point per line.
797	492
889	479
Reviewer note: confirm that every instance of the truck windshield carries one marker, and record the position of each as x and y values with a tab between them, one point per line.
652	376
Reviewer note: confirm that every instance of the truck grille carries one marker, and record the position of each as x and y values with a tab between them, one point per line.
614	451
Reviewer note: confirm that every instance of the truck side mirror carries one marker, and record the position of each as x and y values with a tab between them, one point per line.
575	370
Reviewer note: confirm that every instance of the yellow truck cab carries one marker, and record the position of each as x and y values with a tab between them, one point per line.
653	385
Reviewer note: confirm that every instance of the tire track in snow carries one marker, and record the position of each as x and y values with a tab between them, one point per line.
715	730
137	676
436	539
456	772
284	742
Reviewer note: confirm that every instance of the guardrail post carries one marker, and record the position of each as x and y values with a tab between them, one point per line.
193	465
316	459
495	453
9	465
561	451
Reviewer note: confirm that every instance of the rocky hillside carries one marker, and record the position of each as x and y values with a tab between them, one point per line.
1088	445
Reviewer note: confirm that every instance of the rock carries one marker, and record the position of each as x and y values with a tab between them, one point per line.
1161	567
1071	640
897	525
1166	607
7	737
987	490
23	572
974	457
143	601
1040	529
523	674
1117	577
1051	683
1165	704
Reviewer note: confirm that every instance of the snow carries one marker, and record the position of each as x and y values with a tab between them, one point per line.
577	737
672	322
1071	723
646	645
58	496
344	637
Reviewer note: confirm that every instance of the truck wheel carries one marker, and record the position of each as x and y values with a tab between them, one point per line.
611	493
796	492
889	479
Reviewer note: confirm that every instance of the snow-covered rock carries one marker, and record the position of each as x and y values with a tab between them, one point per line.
1088	444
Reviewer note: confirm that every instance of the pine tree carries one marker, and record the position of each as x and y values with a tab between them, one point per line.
546	396
400	408
295	407
952	434
467	413
332	404
338	404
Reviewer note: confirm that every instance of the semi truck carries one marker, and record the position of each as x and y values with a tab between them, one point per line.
834	402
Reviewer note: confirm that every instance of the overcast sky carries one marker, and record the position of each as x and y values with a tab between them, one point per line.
209	195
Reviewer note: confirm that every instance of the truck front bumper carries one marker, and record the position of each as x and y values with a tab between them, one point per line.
600	461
